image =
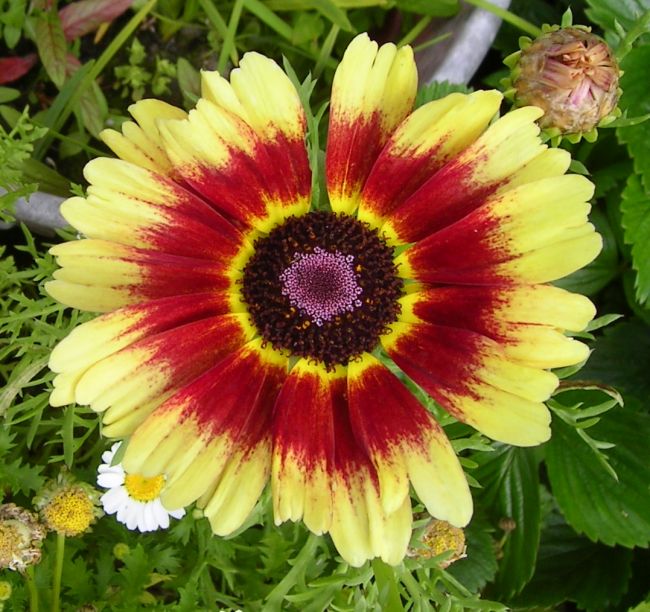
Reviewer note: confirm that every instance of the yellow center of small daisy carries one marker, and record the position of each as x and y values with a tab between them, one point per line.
70	512
143	489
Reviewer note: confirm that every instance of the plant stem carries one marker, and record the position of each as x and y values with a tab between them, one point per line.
507	16
304	558
31	587
229	46
415	31
58	571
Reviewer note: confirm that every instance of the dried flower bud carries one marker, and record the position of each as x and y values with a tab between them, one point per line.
67	506
5	590
572	75
440	537
121	550
21	537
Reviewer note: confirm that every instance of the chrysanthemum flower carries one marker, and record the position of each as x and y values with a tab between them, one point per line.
67	506
245	334
21	538
133	498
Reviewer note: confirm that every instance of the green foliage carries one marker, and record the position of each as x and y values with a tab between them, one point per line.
616	17
635	209
16	146
635	102
571	568
510	491
621	359
51	44
593	502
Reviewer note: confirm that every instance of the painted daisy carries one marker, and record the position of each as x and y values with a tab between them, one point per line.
133	498
246	335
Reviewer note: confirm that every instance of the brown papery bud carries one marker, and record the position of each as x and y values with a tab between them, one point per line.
572	75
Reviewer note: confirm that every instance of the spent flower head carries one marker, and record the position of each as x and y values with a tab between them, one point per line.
21	537
572	75
68	506
440	537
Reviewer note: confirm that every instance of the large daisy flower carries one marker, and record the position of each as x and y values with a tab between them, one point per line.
246	335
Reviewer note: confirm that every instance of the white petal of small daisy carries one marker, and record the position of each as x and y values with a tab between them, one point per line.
134	499
108	480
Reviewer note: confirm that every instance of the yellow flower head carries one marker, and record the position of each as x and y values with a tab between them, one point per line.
241	325
68	507
440	537
21	536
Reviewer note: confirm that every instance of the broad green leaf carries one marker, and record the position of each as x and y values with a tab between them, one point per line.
635	209
51	45
592	502
636	101
606	13
621	358
510	483
594	576
600	272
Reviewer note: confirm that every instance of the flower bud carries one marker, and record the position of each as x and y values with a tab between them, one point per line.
572	75
5	590
121	550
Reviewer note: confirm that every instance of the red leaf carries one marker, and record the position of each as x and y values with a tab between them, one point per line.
82	17
12	68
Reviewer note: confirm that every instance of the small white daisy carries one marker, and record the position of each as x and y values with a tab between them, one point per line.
135	498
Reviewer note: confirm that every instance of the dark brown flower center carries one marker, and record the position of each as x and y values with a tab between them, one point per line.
322	286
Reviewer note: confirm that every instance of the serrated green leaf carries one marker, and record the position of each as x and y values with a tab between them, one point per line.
437	90
635	208
20	478
594	576
607	13
621	358
51	44
592	502
511	490
635	101
135	573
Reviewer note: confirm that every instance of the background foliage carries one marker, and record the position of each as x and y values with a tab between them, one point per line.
563	525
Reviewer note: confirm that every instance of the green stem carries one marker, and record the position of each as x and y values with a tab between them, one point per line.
58	571
229	46
508	17
415	31
304	558
31	587
326	50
